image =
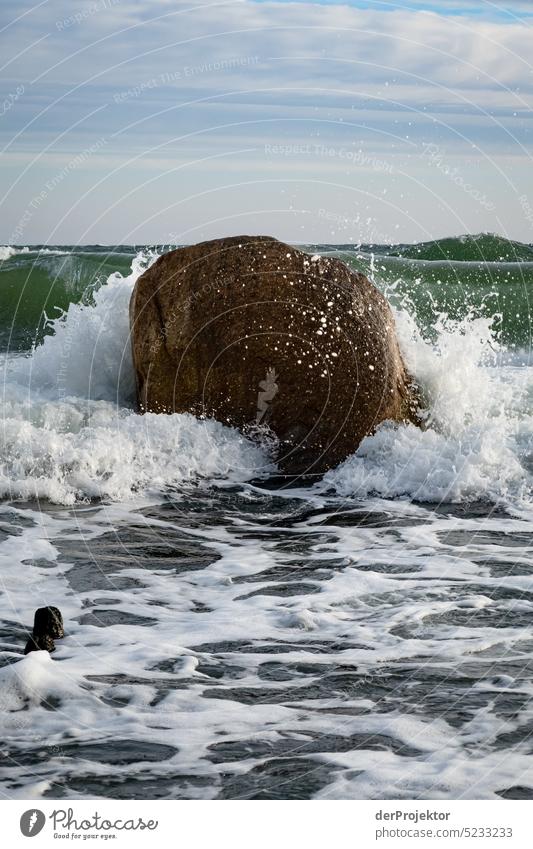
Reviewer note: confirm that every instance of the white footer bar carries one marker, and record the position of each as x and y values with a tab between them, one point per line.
268	824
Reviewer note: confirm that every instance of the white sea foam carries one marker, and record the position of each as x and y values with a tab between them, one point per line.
89	354
399	655
68	426
33	679
7	251
478	427
67	451
68	418
291	643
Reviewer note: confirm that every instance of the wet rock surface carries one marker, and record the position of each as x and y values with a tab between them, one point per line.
47	627
255	333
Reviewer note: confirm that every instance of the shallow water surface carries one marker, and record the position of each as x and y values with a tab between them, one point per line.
370	636
276	645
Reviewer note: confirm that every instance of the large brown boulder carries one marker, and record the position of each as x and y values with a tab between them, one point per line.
253	332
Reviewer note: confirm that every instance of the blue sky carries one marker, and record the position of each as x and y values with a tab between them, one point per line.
124	121
468	8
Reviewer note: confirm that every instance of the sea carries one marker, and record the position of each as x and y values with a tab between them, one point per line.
229	636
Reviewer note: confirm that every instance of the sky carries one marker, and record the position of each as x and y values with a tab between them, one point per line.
123	121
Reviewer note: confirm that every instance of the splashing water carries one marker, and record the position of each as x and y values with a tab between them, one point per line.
68	416
477	424
69	431
228	641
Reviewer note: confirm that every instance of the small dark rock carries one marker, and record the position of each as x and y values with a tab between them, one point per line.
47	627
48	620
43	643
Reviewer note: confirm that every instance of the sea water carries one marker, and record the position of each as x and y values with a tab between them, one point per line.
370	636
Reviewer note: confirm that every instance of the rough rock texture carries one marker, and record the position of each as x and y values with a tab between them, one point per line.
253	332
47	627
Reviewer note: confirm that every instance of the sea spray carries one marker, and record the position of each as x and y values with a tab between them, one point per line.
95	450
88	354
69	431
471	444
210	622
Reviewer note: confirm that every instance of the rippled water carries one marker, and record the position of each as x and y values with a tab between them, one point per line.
370	636
236	642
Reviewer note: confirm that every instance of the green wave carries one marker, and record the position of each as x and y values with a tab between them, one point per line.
472	275
457	290
485	247
36	286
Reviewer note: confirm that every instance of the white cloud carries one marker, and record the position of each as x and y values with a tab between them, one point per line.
175	81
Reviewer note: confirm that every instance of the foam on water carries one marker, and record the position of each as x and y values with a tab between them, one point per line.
67	452
226	641
475	443
7	251
68	419
69	430
89	354
370	650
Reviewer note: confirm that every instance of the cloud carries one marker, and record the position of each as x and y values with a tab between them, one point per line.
170	82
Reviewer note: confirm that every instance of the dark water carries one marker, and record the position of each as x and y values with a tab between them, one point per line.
242	643
226	637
